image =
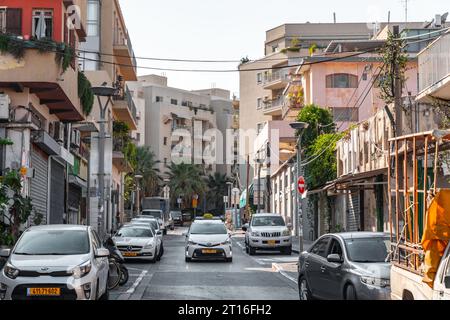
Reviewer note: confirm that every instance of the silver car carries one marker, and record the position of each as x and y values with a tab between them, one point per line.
138	242
346	266
60	262
267	231
208	240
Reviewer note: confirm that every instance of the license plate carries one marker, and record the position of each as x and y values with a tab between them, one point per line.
209	251
130	254
271	242
44	292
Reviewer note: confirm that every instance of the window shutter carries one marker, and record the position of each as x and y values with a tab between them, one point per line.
14	21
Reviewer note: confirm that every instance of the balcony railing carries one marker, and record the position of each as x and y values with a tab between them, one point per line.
275	76
434	63
127	96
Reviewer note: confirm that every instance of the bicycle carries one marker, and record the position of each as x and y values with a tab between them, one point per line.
115	274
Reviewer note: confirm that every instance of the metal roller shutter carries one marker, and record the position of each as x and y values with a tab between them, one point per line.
353	212
57	188
38	185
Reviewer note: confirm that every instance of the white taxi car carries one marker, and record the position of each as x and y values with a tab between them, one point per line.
208	239
138	242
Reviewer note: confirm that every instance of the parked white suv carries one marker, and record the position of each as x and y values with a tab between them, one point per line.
267	231
61	262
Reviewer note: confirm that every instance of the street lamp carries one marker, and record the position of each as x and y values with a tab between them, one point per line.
230	185
298	218
138	192
102	91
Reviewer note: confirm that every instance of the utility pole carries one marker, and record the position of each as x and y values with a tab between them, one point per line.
247	194
397	84
268	178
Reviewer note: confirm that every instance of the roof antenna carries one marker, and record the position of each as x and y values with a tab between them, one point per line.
389	17
334	17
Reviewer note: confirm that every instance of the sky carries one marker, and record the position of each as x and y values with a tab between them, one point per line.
232	29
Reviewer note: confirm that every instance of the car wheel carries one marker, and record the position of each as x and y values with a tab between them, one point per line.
229	259
350	292
153	260
158	256
165	232
162	250
251	250
303	290
187	259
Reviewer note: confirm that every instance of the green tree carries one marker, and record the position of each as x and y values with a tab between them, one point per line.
145	165
186	180
324	168
217	188
320	121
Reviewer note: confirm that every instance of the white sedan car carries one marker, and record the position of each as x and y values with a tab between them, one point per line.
138	242
59	262
208	240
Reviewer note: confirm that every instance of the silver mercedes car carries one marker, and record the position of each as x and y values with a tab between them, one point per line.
61	262
346	266
138	242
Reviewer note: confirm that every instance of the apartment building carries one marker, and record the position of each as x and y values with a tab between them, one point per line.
186	125
107	57
263	82
39	102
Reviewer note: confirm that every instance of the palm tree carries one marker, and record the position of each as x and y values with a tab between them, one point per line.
217	188
145	165
186	180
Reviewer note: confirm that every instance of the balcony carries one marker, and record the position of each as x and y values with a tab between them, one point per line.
273	107
126	60
40	73
125	110
434	70
119	159
82	4
276	80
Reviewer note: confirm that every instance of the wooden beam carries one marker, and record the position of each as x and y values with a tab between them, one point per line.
415	195
406	194
425	181
397	194
58	111
390	192
51	101
41	90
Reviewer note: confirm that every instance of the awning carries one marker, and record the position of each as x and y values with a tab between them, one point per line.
77	181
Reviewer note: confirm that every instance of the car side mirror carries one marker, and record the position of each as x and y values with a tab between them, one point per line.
334	258
184	234
5	253
447	282
102	253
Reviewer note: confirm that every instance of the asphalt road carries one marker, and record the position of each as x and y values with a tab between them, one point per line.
266	276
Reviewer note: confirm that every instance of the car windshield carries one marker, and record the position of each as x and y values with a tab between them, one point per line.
142	224
153	213
208	228
176	214
130	232
268	221
368	250
153	223
53	242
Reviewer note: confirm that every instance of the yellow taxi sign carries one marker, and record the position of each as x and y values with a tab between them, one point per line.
208	216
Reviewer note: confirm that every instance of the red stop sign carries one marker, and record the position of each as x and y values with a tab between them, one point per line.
301	185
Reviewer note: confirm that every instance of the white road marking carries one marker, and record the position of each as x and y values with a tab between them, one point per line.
137	282
283	273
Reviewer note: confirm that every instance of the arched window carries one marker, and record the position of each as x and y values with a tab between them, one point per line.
342	80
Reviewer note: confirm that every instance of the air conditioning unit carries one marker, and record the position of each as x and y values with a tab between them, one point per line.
75	140
4	107
58	131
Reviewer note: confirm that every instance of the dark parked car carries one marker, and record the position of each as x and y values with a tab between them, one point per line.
346	266
177	218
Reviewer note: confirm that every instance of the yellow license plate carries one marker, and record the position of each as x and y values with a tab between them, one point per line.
44	292
209	251
130	254
271	242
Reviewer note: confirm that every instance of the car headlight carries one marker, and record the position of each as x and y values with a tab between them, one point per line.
82	270
192	243
10	271
149	246
255	234
286	233
376	282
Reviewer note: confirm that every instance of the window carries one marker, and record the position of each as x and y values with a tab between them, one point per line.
259	103
259	127
345	114
93	18
342	80
138	137
174	102
335	247
259	78
13	21
165	141
368	250
159	99
3	20
320	248
43	30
